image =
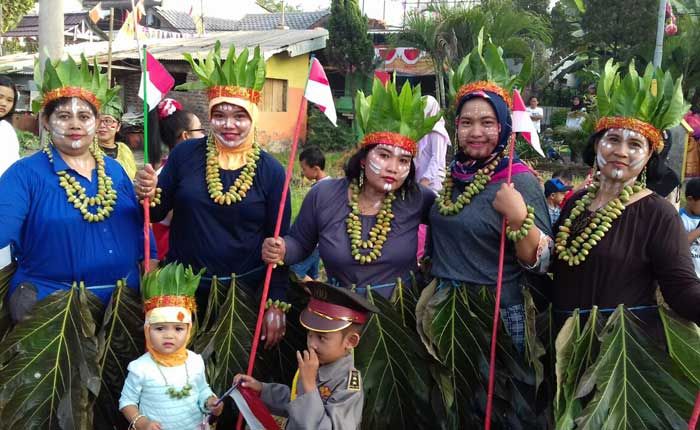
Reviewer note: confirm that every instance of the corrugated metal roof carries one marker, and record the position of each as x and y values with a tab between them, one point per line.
185	24
270	21
294	42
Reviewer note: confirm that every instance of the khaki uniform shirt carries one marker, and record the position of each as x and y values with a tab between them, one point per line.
335	405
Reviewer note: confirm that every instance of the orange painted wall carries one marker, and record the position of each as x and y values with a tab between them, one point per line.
275	130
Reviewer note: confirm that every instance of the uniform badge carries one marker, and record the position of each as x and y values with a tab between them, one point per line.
325	392
354	381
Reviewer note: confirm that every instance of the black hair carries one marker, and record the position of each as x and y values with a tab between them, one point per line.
54	104
564	174
5	81
530	99
166	131
353	169
655	166
313	156
692	188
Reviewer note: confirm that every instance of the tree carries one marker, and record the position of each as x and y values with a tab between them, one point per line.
350	47
276	6
12	13
536	6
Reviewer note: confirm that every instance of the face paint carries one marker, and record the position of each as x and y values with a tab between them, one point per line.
627	151
478	129
231	124
72	124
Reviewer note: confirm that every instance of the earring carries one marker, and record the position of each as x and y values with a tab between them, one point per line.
362	177
403	193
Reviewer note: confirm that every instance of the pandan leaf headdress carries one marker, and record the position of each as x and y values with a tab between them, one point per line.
236	76
170	286
68	79
113	108
392	118
646	104
484	69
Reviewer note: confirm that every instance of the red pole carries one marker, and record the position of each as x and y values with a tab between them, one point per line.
497	306
278	226
696	413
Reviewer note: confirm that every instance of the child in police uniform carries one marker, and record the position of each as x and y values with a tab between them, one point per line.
327	390
166	388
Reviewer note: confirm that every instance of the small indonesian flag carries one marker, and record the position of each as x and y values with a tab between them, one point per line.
95	13
522	123
159	82
254	411
318	91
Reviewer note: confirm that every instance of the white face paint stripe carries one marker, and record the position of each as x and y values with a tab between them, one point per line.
374	166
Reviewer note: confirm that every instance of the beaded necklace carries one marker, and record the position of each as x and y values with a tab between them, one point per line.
103	202
482	177
377	234
238	190
171	391
576	250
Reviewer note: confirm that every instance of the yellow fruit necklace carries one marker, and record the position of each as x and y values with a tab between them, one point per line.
238	190
377	234
576	250
447	207
102	203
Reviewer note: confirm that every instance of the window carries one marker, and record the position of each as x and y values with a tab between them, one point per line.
275	95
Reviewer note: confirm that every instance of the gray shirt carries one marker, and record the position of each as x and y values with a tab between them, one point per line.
322	221
335	405
466	245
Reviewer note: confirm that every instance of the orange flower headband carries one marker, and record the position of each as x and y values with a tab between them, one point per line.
249	94
390	138
652	133
186	302
82	93
484	86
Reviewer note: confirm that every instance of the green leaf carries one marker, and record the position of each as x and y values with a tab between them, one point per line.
534	350
48	364
5	278
120	340
636	383
683	341
393	364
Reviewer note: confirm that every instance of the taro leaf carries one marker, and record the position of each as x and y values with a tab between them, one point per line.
637	385
120	340
461	331
395	372
5	277
683	341
225	347
47	363
534	350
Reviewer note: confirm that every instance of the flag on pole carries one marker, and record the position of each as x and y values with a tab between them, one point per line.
95	13
318	91
159	82
131	24
253	410
522	123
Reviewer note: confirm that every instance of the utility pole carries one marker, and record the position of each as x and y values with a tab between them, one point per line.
50	31
660	24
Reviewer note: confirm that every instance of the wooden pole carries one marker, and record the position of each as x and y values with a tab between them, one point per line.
109	46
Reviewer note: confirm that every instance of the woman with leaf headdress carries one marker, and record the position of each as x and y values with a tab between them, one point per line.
75	226
224	190
365	226
455	312
617	242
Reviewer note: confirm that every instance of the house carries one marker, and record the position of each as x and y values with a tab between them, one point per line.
286	52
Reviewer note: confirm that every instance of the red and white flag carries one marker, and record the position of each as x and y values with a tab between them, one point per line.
254	411
318	91
522	123
159	82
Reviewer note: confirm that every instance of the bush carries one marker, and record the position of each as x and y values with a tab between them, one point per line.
558	118
28	142
323	134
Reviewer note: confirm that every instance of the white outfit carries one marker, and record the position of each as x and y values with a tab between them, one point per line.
535	111
690	223
9	145
432	148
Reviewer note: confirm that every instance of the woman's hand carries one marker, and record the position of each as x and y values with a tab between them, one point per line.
145	182
273	250
509	203
248	382
274	327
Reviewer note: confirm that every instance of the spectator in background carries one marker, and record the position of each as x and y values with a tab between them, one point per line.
536	113
432	149
576	104
554	192
108	125
313	163
590	100
9	145
690	215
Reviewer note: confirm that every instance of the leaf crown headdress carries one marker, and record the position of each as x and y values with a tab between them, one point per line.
173	285
392	118
236	76
647	104
484	69
68	79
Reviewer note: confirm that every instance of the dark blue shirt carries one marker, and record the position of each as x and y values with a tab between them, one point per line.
53	244
223	239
